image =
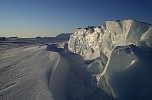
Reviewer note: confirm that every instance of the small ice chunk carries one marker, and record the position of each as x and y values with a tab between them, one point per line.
96	67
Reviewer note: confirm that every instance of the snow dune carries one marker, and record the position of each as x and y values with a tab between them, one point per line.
32	73
59	74
40	72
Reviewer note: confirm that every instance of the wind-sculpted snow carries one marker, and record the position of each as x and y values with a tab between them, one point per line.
32	72
23	73
112	34
58	77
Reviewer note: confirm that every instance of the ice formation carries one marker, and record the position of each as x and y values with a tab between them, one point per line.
118	65
122	51
104	38
128	74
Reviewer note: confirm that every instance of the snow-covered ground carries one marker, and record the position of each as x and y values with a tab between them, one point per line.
31	72
112	62
45	72
24	73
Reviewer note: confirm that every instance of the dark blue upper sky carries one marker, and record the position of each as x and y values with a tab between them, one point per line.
30	18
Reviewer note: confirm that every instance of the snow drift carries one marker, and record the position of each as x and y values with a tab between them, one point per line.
32	72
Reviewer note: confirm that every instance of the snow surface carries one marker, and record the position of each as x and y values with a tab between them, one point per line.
45	72
111	62
23	73
32	72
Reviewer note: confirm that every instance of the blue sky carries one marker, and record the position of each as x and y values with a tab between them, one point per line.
30	18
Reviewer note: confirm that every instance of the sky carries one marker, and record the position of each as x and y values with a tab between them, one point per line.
46	18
